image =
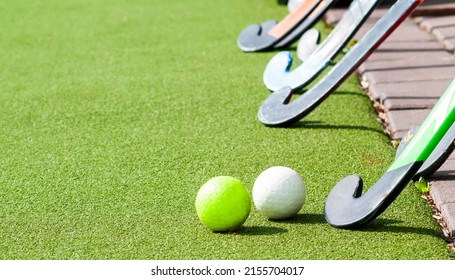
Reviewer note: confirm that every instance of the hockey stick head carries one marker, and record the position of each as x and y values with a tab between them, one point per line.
255	37
346	207
276	109
308	43
276	69
277	72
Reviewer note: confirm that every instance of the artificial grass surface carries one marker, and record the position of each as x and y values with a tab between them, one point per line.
113	114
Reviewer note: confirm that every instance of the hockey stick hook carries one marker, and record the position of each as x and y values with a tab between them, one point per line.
346	207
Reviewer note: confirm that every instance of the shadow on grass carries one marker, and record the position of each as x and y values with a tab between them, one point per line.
341	92
379	225
260	230
322	125
303	219
389	225
354	93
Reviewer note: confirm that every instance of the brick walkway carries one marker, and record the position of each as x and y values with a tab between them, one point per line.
406	76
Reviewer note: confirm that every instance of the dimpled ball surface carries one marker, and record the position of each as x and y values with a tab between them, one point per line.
279	192
223	204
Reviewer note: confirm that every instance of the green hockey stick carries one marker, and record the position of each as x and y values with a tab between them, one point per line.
346	207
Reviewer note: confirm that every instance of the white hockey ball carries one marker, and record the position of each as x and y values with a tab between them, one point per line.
279	192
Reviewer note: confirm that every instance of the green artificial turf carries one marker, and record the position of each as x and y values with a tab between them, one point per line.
113	113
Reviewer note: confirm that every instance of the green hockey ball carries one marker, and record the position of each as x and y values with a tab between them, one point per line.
223	204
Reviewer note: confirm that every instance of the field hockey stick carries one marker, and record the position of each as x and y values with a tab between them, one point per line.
347	207
279	110
277	73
